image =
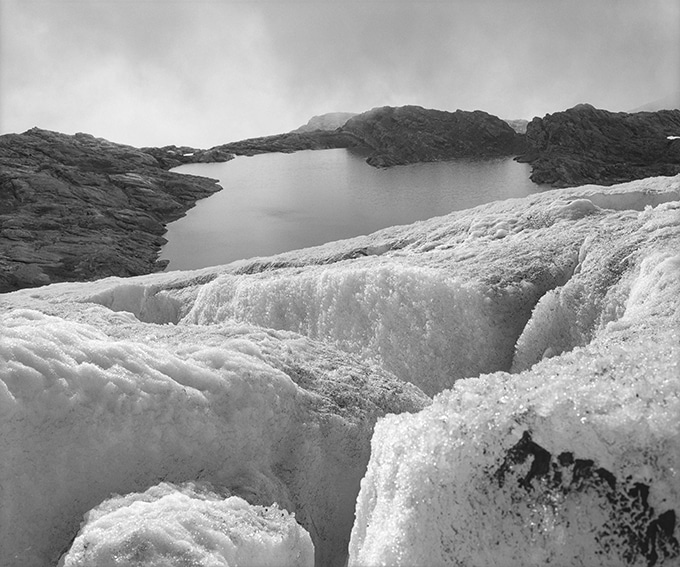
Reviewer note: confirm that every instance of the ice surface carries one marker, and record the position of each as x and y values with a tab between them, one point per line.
265	378
573	462
448	298
114	405
176	526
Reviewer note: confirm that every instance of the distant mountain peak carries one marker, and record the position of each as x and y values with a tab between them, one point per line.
328	121
670	102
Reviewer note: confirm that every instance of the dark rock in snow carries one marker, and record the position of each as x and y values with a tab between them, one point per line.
588	145
80	208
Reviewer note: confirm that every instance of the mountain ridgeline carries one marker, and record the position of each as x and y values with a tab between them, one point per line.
411	134
398	136
76	208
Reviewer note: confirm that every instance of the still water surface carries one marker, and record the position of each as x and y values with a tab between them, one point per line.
277	202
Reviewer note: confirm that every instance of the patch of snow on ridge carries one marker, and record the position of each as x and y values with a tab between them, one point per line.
175	526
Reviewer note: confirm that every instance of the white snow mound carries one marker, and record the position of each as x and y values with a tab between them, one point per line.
175	526
114	405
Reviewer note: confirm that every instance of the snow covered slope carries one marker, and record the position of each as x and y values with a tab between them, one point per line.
265	378
175	526
94	402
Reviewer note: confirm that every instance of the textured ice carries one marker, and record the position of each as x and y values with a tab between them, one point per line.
176	526
572	462
265	378
115	405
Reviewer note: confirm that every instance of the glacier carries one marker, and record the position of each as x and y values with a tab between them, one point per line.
497	386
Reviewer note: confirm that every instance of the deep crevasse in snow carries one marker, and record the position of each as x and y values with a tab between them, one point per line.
102	397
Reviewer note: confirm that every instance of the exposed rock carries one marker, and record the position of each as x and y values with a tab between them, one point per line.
285	143
411	134
588	145
396	136
329	121
80	208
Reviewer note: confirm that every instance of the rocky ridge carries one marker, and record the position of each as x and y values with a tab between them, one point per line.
80	208
399	136
411	134
588	145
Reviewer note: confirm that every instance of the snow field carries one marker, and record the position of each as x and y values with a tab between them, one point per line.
573	462
90	411
424	325
570	461
175	526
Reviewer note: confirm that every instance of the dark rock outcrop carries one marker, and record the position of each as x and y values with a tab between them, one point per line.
284	143
397	136
588	145
411	134
78	208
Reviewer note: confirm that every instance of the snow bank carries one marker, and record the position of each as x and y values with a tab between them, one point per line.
449	298
175	526
266	377
114	405
571	463
420	323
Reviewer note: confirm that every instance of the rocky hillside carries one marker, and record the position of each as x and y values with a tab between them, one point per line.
285	143
81	208
587	145
399	135
410	134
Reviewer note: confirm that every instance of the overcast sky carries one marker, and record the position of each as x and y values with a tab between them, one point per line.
205	72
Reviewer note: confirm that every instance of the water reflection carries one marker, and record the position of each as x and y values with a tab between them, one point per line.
277	202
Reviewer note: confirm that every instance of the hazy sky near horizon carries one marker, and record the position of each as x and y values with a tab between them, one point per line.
205	72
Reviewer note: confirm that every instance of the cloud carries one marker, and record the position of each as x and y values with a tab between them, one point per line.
203	72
